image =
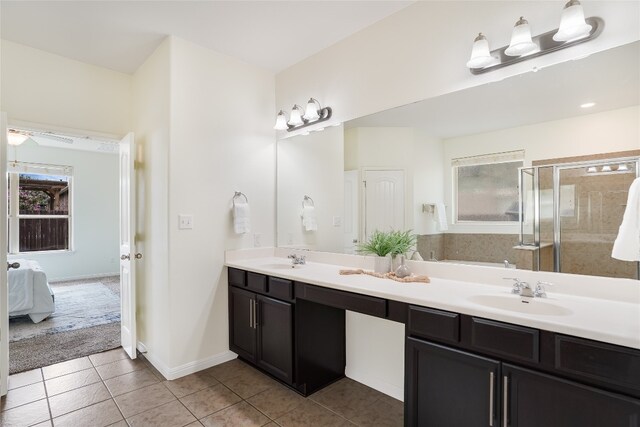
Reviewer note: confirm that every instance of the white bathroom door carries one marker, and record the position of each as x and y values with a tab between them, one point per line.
383	200
4	291
351	211
128	255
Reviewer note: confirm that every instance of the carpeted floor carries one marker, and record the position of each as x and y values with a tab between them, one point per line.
86	321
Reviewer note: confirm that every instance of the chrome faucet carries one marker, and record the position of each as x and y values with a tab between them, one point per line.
524	289
297	260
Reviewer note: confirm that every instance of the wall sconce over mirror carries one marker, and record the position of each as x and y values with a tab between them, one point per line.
301	118
574	29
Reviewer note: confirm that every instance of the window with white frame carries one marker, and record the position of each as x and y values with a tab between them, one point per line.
486	187
39	207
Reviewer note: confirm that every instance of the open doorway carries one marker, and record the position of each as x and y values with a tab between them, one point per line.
63	232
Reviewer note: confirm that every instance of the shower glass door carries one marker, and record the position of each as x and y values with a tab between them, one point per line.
590	201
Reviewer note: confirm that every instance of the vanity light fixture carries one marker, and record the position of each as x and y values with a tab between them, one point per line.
521	42
299	118
15	137
587	105
574	29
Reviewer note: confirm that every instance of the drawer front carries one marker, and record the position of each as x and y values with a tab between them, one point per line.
434	324
280	288
237	277
345	300
257	282
511	341
598	361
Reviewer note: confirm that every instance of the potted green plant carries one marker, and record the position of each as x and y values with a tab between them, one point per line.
381	245
401	242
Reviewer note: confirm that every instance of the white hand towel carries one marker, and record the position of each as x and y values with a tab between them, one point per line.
442	216
627	244
309	219
241	218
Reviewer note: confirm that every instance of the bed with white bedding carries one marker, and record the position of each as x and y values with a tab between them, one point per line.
29	291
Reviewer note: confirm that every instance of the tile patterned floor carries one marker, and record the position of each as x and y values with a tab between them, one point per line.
108	389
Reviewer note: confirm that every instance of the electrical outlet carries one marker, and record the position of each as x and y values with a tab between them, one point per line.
185	222
337	221
257	238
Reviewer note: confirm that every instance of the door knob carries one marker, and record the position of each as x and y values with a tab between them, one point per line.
125	257
13	265
138	255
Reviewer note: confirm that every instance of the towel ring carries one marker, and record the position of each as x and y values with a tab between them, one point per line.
309	200
239	194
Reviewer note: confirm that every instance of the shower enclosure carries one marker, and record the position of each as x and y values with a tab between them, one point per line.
570	214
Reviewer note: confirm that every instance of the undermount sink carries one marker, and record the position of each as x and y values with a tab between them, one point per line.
283	266
521	305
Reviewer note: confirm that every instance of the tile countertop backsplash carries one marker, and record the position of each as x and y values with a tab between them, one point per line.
601	309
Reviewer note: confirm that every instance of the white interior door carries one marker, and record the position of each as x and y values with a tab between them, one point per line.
128	255
383	200
351	211
4	291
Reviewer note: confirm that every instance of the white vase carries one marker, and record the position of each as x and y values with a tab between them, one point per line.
382	264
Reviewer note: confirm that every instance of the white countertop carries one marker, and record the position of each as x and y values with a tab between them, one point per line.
611	321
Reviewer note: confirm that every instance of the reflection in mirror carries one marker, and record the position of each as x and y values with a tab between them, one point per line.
531	172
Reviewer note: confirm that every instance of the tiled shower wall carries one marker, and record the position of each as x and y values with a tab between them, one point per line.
469	247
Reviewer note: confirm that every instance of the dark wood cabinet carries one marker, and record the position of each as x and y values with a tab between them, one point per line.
275	337
534	399
449	388
242	329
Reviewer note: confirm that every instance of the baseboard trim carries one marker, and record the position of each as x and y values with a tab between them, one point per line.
85	277
190	367
375	383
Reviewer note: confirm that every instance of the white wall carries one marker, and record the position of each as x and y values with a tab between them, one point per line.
151	123
311	165
221	140
608	131
46	89
94	211
420	52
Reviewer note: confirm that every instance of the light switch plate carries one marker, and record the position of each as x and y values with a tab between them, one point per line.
185	222
337	221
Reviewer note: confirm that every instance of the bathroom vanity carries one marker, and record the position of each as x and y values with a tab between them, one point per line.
464	365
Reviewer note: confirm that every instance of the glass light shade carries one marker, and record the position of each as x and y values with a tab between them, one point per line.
623	167
296	116
480	54
281	121
312	111
592	169
572	23
15	138
606	168
521	43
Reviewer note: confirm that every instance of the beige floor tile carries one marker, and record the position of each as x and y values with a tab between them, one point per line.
25	378
131	381
98	415
347	397
72	381
194	424
249	383
143	399
239	415
190	383
79	398
309	414
228	370
210	400
276	401
47	423
120	367
64	368
121	423
25	415
108	356
385	412
172	414
153	370
22	395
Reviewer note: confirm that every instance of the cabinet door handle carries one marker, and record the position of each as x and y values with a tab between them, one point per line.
491	377
505	401
255	315
251	313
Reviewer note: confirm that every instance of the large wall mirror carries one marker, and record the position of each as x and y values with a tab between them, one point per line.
531	172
